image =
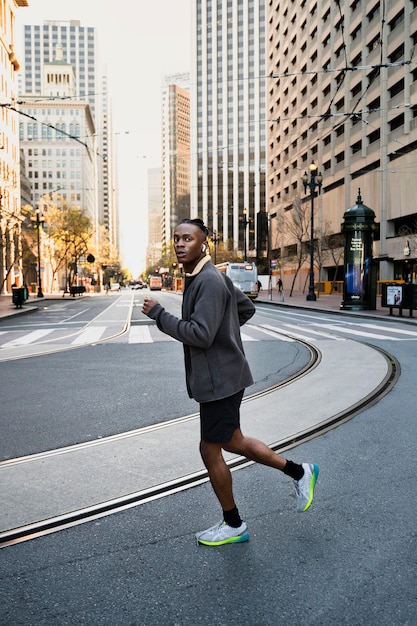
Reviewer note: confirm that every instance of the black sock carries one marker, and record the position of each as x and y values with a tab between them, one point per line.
293	470
232	518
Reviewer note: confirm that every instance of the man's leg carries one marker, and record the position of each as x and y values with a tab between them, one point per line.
304	476
254	450
231	529
219	473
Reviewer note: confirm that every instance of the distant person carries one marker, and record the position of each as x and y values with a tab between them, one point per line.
217	373
279	285
259	286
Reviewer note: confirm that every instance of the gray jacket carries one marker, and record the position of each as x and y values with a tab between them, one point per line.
212	312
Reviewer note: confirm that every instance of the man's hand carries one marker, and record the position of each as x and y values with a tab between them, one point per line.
148	304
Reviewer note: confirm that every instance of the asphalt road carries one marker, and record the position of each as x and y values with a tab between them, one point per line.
351	559
97	391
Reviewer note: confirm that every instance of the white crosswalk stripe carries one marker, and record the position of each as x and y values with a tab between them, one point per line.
360	333
89	335
271	331
28	338
307	332
140	334
143	334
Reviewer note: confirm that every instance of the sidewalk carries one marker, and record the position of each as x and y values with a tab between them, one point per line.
8	309
332	303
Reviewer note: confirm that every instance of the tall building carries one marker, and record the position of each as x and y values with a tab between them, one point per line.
10	205
175	153
79	48
228	119
155	221
57	136
342	92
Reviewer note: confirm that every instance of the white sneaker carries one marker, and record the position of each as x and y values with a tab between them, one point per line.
222	533
304	488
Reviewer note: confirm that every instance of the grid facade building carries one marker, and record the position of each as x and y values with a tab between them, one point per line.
80	50
342	92
175	153
228	118
10	203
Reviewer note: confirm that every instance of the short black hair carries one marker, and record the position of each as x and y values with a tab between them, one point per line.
196	222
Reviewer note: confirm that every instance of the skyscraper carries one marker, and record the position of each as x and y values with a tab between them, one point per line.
175	152
228	149
79	49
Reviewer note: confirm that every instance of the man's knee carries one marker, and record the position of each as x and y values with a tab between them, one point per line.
209	451
236	443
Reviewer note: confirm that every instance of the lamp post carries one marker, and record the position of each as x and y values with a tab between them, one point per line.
39	222
315	181
215	239
245	222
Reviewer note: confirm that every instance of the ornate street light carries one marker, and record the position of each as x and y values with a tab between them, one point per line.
39	222
315	181
245	222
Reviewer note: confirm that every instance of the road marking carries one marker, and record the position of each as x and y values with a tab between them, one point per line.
271	331
315	332
140	334
360	333
35	335
89	335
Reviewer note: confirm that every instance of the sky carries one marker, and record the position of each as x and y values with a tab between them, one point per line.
140	41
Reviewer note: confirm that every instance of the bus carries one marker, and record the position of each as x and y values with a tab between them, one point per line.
243	275
155	283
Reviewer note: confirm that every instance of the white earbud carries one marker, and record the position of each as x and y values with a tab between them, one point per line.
203	248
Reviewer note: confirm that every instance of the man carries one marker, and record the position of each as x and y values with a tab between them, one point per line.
217	373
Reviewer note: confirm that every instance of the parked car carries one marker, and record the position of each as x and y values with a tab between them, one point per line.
115	287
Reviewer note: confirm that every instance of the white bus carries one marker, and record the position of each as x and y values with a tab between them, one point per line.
243	275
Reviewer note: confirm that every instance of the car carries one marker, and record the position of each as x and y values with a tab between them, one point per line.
138	284
115	287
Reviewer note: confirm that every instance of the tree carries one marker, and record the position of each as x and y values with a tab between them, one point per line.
295	225
69	233
10	238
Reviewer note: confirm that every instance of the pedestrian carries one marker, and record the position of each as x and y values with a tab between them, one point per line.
217	374
280	290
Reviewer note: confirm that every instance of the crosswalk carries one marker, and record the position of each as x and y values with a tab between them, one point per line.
149	333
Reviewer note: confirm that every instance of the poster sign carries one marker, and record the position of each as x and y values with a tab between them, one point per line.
394	295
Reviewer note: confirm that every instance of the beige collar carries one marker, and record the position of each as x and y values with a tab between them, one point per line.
200	265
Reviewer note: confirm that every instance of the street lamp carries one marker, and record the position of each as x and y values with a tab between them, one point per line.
245	222
315	181
39	223
215	239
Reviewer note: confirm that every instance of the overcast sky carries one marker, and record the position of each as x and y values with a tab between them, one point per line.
140	41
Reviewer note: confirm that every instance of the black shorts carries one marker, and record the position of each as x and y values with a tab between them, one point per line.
220	418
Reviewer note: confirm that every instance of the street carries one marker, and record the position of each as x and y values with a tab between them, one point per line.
350	560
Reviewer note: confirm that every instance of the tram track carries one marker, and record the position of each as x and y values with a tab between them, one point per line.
83	515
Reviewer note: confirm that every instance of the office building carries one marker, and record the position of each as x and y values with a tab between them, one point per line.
155	221
228	97
57	136
342	93
78	48
175	153
10	205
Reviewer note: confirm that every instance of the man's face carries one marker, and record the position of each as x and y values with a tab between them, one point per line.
188	244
